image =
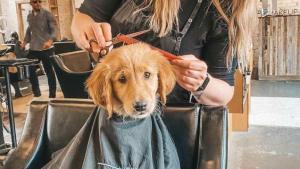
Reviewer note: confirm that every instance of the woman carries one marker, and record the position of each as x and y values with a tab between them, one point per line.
204	35
207	34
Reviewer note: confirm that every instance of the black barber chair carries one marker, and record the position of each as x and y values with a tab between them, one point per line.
199	133
72	69
22	86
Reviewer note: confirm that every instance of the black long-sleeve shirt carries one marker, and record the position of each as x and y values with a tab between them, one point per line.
207	37
42	27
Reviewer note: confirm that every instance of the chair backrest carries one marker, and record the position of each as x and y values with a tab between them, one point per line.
64	47
72	69
51	125
181	121
78	61
64	120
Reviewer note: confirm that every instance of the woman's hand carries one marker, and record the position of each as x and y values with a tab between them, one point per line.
84	29
190	72
98	31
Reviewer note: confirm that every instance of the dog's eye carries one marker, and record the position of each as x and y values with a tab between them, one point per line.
122	79
147	74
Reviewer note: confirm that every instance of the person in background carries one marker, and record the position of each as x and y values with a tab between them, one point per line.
211	36
40	34
14	38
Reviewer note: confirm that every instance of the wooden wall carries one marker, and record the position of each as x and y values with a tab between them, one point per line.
279	54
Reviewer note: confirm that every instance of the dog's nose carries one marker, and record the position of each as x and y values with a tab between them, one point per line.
140	106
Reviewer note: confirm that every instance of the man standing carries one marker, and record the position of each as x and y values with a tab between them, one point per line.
41	33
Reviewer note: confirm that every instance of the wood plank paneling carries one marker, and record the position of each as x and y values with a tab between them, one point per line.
290	45
279	53
271	45
284	39
280	47
274	48
264	47
260	47
298	46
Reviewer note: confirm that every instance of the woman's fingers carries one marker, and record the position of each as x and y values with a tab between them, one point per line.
191	79
85	38
102	32
92	40
190	72
84	41
98	34
190	62
186	86
189	83
96	37
193	68
189	57
106	28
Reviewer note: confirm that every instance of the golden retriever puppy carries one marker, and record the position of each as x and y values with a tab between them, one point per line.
127	83
130	79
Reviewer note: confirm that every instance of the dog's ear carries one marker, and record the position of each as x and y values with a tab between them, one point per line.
166	79
99	87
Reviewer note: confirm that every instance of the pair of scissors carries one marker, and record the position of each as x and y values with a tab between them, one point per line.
116	40
129	39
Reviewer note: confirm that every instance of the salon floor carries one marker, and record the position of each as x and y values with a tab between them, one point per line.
273	138
274	133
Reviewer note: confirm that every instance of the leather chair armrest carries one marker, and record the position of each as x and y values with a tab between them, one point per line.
214	138
199	133
30	144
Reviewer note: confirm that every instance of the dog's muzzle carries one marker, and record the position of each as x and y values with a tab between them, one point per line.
140	106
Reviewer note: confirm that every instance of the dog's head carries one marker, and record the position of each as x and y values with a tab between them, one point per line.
129	80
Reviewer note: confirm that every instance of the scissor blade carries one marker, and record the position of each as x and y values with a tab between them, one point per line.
116	41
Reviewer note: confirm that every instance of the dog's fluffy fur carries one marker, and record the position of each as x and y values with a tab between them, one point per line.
128	75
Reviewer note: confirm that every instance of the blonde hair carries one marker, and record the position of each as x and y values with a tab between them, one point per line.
163	15
241	22
237	13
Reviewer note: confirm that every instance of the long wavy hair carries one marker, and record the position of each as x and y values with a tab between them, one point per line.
239	15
